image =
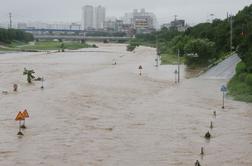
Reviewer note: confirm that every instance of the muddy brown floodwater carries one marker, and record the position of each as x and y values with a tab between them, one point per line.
97	114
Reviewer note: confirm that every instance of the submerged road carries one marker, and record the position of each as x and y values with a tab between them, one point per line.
93	113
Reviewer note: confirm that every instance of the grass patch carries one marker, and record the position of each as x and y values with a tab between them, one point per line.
171	59
43	45
240	86
54	45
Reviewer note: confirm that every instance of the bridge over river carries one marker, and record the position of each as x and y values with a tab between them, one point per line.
80	37
71	34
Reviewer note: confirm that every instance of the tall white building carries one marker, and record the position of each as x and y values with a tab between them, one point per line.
93	17
100	15
88	17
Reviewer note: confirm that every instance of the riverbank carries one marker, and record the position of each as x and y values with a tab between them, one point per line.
43	46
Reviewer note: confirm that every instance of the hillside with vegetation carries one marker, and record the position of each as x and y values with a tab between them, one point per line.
241	85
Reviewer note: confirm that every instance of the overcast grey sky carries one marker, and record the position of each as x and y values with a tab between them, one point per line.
193	11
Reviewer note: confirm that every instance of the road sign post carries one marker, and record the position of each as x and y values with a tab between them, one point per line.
178	65
26	115
19	118
223	90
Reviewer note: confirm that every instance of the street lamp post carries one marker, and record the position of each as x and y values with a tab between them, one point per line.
211	17
223	90
231	32
178	66
157	51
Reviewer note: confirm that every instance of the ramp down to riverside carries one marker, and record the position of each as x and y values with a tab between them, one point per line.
224	70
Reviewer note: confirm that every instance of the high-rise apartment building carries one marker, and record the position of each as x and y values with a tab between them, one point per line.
88	17
100	14
93	17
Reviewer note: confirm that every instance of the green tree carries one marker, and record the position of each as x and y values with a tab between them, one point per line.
29	74
202	50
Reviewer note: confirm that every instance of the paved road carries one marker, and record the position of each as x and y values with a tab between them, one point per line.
224	70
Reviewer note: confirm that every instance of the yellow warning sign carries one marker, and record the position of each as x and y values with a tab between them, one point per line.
20	116
25	114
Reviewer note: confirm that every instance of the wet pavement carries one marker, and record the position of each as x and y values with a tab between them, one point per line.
94	113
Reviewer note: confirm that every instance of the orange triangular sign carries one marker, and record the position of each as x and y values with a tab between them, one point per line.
25	114
20	116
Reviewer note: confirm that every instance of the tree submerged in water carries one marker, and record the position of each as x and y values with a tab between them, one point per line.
62	46
29	74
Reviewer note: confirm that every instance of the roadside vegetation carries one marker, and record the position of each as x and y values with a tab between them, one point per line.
207	44
240	86
55	45
132	45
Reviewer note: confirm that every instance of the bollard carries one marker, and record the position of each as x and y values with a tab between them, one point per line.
214	113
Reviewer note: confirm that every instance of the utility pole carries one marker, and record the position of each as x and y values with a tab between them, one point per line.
10	16
175	17
178	66
231	33
157	50
211	17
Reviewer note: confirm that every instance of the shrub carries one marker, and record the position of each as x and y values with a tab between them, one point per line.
131	47
240	68
248	79
242	76
94	46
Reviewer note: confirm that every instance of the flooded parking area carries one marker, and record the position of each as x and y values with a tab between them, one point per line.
92	112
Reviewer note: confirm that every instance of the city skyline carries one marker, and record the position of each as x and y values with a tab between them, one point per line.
192	11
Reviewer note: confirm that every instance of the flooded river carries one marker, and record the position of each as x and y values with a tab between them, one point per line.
97	114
